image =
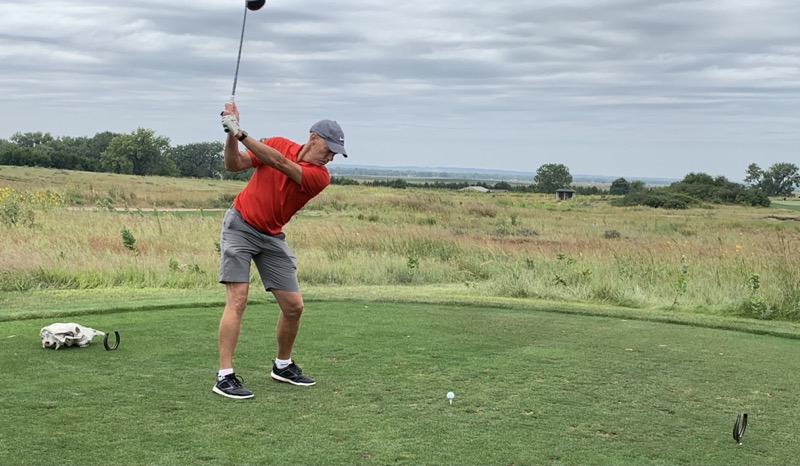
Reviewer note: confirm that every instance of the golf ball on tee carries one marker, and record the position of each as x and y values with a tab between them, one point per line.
450	395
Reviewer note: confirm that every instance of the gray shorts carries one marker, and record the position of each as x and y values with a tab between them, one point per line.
241	243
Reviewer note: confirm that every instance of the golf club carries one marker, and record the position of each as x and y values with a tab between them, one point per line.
253	5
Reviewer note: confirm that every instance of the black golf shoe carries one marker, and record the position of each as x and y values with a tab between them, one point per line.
291	374
231	387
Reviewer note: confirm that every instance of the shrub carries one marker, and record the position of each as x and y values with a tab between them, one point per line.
14	210
128	239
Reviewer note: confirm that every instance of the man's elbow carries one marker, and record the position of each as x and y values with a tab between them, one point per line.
233	166
278	163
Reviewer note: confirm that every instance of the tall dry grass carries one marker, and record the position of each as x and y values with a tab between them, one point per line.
722	260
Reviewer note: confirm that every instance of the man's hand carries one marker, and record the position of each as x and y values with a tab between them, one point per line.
231	124
231	109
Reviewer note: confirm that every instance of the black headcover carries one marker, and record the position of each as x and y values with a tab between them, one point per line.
254	5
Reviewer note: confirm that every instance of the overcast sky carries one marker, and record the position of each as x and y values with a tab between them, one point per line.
645	88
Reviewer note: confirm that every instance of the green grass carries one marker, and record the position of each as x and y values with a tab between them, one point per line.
531	388
789	204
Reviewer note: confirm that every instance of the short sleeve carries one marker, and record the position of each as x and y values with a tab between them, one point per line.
315	179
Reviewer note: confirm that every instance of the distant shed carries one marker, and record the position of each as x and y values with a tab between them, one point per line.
565	194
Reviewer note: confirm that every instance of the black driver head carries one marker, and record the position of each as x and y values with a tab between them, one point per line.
255	5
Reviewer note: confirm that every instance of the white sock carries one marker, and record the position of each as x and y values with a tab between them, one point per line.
282	363
223	372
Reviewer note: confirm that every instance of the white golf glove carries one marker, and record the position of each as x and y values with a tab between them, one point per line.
231	124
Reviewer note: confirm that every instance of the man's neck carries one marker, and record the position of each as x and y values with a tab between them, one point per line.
301	154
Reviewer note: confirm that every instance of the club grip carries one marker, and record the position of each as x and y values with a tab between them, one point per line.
231	101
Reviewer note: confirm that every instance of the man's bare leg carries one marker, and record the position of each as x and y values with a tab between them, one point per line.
291	304
231	321
228	384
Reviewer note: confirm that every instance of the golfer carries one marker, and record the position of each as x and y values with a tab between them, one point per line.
287	175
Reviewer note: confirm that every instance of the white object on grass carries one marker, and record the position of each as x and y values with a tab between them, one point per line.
450	396
70	334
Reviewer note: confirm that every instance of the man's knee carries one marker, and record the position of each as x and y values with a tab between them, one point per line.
236	297
291	305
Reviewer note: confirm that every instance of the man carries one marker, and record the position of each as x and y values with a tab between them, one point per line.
287	175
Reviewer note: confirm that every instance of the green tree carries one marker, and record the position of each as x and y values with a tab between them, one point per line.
780	179
96	145
138	153
636	186
28	149
198	160
70	153
10	153
754	174
696	185
619	187
31	139
39	156
552	176
115	159
783	179
100	141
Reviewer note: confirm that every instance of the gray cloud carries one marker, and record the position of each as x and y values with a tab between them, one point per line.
617	87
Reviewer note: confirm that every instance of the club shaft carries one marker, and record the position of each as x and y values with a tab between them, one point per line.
239	57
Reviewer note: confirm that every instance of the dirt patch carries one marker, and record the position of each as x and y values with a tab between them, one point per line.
783	218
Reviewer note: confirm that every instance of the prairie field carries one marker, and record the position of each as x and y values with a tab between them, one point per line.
69	230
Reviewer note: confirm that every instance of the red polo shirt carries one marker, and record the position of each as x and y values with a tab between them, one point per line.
270	198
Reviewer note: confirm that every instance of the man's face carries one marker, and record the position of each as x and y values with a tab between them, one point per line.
318	152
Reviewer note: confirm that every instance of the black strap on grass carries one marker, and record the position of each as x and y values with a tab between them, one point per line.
739	427
116	342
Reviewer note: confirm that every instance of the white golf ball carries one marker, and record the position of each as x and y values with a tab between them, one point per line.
450	395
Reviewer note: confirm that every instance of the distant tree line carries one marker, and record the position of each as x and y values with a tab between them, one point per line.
694	190
141	152
549	177
412	173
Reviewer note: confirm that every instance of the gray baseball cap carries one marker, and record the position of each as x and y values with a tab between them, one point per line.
332	133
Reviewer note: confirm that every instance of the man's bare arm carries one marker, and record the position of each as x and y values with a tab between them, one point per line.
235	161
274	159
